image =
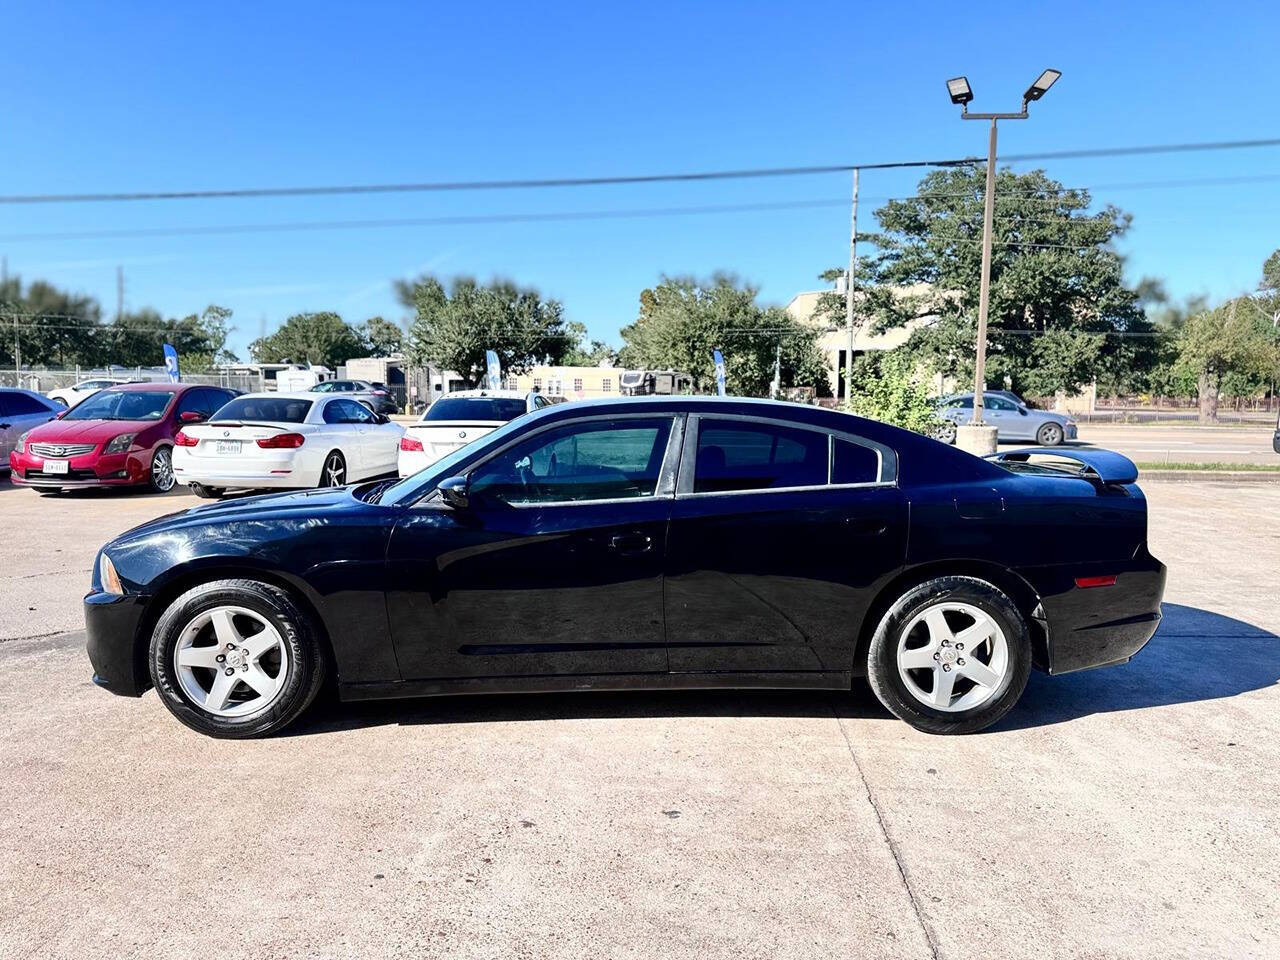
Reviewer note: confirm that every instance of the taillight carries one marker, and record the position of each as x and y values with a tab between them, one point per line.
410	444
282	441
182	440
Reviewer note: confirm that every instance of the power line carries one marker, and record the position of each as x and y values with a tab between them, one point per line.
562	182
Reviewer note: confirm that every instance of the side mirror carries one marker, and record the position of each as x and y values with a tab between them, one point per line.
1023	411
191	416
60	414
453	491
381	418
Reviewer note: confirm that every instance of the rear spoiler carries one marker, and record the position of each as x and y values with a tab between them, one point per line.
1100	466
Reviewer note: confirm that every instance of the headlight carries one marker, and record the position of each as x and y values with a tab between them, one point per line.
107	575
22	442
121	443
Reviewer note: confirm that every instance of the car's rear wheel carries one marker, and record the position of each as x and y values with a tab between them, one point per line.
206	493
945	431
334	472
236	658
1049	435
162	479
951	656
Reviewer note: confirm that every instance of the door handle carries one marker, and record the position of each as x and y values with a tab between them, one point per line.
866	526
630	544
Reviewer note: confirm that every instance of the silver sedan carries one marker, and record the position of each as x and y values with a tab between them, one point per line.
1013	421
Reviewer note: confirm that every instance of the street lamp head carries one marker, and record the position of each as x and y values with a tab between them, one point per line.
958	88
1042	85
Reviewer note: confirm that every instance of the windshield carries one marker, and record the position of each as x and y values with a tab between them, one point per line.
475	408
264	409
122	405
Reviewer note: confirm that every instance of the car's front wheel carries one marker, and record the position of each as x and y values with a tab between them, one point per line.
236	658
950	656
162	478
1049	435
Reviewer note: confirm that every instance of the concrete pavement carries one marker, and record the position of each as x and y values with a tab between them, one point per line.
1184	444
1127	812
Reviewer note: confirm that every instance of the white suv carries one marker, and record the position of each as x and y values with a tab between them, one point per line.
70	396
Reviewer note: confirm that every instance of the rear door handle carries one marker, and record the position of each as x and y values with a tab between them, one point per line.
866	526
630	544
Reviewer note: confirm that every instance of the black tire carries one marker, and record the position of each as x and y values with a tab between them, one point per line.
206	493
161	478
307	663
882	664
1049	435
325	472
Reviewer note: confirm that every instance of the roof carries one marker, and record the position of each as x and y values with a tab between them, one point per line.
506	394
292	395
152	387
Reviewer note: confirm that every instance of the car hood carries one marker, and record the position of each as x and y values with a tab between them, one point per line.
275	505
87	431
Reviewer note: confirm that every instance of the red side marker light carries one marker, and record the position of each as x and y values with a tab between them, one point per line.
1096	581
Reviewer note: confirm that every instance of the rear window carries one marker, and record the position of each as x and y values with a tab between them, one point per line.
475	408
264	410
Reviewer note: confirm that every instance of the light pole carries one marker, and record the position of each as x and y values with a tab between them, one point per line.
979	438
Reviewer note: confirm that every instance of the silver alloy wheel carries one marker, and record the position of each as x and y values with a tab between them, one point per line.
1049	435
952	656
231	661
335	471
947	431
162	470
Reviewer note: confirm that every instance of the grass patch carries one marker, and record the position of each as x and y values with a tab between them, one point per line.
1211	467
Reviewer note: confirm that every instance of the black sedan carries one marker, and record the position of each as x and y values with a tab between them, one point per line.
676	542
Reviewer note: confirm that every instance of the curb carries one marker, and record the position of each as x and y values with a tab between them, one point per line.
1212	476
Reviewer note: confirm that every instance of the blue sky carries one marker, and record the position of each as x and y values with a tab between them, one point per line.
137	96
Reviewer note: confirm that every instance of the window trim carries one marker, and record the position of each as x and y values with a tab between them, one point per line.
667	472
887	458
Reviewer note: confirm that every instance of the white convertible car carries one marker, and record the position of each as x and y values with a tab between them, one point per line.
456	419
285	440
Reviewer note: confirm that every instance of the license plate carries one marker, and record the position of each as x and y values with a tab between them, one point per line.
231	447
55	466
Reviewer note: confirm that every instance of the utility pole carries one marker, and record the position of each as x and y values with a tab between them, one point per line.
17	347
119	294
848	292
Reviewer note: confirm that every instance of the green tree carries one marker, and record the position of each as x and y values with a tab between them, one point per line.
316	338
890	386
1058	296
53	327
584	352
1232	345
383	336
683	320
453	328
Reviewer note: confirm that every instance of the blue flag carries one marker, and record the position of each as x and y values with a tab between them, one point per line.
715	355
493	372
171	363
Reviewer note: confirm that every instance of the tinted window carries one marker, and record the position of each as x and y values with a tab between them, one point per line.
327	387
122	405
346	411
265	410
749	456
598	460
854	463
960	403
997	403
21	405
475	408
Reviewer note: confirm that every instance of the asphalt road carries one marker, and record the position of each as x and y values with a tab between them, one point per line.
1175	443
1122	813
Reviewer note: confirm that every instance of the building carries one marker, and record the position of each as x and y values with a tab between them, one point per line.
834	340
573	383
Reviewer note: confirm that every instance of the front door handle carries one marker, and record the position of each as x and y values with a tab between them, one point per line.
630	544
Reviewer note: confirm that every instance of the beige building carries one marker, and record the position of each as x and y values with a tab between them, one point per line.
573	383
834	340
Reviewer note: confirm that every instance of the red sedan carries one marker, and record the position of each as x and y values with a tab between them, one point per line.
118	437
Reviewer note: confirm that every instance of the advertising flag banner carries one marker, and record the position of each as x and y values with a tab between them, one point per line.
719	359
171	363
493	372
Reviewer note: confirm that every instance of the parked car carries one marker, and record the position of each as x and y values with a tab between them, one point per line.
120	436
663	542
20	411
1275	440
457	419
264	440
377	399
70	396
1013	421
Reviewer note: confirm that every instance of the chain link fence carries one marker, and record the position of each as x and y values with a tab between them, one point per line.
46	380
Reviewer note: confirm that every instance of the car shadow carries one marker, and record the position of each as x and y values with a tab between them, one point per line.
1196	655
1170	670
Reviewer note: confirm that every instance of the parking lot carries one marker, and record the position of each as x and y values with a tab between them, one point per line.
1126	812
